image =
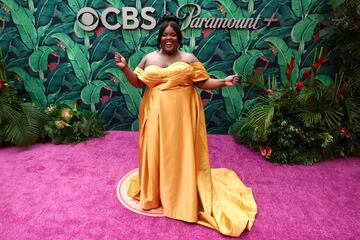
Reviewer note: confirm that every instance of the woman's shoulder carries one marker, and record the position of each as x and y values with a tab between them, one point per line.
188	57
151	54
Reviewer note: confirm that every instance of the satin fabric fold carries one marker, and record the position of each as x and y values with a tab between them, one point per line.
174	167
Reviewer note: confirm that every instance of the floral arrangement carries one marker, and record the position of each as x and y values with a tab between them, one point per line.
71	125
302	122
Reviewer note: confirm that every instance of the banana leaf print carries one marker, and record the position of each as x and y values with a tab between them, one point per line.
59	63
232	96
100	49
239	37
91	93
131	94
38	60
46	38
35	87
76	5
78	56
55	80
8	35
301	7
25	23
44	15
115	114
244	65
303	30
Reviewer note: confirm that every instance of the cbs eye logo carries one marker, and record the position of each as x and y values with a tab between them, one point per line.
88	18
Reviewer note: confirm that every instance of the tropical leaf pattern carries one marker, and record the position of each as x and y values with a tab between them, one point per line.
53	61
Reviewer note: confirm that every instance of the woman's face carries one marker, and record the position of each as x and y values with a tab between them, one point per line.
169	41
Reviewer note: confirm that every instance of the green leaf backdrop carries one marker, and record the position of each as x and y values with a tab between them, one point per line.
53	61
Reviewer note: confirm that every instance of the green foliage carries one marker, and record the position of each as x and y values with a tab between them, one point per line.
344	35
305	122
20	122
70	125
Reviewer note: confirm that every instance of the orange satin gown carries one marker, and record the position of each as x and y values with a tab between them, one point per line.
174	167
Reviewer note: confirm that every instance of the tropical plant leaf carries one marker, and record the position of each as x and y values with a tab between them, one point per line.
91	93
245	63
78	56
44	12
33	86
304	29
26	125
25	23
131	94
54	80
300	7
38	60
76	5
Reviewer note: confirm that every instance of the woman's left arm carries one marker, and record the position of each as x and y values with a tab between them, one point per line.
212	83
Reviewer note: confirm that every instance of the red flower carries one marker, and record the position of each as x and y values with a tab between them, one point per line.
258	70
299	85
270	91
345	131
342	89
317	65
204	101
51	66
290	68
265	151
104	99
99	30
207	32
316	37
2	84
305	75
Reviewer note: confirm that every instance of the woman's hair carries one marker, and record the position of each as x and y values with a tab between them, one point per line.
172	21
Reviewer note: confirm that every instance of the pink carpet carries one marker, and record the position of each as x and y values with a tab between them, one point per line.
68	192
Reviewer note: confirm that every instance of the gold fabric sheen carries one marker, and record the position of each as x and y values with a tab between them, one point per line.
174	167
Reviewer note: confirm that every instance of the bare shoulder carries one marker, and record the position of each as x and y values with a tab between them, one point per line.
144	61
188	57
151	54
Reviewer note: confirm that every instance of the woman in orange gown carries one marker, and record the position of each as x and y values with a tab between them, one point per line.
174	168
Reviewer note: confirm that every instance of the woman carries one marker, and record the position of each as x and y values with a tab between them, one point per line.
174	169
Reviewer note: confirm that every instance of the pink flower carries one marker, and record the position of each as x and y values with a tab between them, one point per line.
104	99
345	131
60	124
2	84
51	66
99	30
66	114
265	151
270	91
299	85
207	32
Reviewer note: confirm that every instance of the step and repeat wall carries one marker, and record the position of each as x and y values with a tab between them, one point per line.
61	52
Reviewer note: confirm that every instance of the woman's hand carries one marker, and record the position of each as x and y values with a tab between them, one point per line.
231	80
120	61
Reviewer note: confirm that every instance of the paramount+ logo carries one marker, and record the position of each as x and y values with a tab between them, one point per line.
88	19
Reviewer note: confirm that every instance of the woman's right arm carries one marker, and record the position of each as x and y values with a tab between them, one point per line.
120	61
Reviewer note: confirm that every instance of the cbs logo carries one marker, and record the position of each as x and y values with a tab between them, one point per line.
88	18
